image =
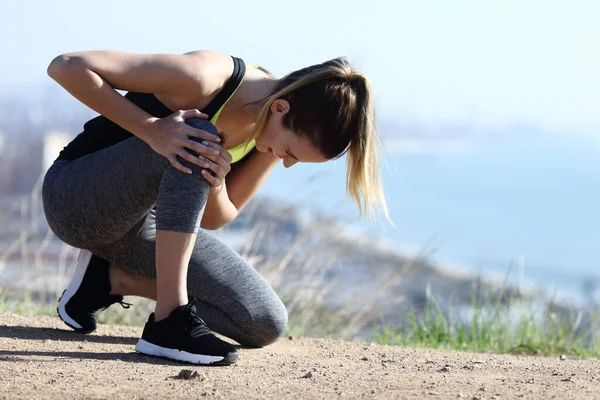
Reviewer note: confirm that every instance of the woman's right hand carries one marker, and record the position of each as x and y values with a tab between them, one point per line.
170	137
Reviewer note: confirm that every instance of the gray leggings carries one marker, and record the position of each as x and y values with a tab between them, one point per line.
112	201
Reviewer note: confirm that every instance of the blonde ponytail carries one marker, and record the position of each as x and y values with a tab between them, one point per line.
363	177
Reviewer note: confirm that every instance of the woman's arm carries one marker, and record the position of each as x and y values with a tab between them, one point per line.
93	76
188	79
243	181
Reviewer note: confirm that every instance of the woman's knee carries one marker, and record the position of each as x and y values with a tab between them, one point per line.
268	327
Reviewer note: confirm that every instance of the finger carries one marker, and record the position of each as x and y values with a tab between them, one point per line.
192	158
200	134
221	162
194	113
227	157
178	165
216	146
221	147
213	166
201	148
223	153
211	179
224	138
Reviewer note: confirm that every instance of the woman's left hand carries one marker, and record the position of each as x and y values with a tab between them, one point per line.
219	164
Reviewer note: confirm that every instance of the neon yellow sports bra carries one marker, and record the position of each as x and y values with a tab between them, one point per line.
240	151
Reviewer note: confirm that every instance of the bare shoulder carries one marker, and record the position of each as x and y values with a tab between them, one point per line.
209	67
207	72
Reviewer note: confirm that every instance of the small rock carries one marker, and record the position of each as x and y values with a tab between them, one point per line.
308	375
290	337
364	359
460	395
563	357
188	374
445	368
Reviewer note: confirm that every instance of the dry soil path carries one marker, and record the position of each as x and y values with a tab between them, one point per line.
41	359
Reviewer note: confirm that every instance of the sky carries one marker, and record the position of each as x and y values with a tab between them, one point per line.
481	63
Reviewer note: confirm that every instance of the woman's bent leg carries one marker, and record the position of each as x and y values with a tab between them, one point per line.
233	299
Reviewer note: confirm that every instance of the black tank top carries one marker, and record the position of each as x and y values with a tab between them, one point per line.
100	132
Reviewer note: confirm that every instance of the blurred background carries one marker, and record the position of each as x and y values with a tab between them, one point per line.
491	139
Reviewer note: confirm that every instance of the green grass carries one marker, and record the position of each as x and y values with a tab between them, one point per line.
20	302
488	325
516	327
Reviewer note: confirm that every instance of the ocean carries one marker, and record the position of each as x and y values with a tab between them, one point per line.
528	204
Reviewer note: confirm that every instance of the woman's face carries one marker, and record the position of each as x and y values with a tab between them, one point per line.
284	143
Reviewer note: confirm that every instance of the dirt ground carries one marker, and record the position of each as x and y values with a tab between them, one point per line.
41	359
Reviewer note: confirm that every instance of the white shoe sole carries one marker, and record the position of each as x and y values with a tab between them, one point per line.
83	261
150	349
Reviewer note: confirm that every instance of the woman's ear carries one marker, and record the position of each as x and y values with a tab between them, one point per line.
280	106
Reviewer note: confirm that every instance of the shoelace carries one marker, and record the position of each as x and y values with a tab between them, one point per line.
124	304
110	302
196	325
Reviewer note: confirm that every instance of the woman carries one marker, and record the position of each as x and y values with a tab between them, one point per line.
139	187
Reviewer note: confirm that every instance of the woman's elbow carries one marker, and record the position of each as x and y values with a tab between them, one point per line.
61	64
209	225
213	224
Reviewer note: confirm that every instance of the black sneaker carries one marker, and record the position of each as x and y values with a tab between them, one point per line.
184	336
87	293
